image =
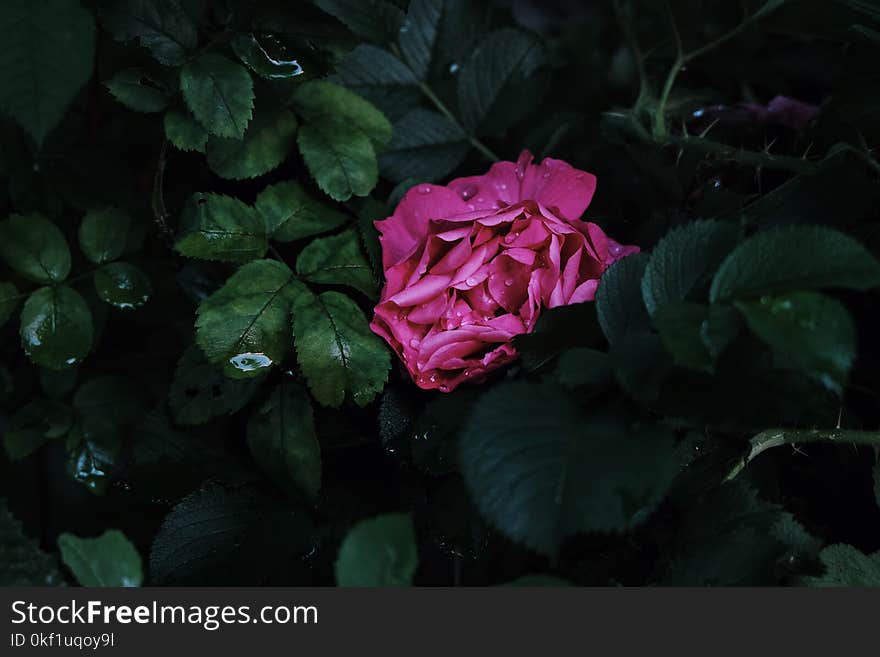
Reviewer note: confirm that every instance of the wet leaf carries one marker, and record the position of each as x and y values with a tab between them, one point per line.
375	20
218	227
814	332
266	56
56	327
122	285
244	326
335	108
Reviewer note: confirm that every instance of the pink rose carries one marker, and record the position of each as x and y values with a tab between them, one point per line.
471	265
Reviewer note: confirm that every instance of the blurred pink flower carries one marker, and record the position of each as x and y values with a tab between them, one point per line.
469	266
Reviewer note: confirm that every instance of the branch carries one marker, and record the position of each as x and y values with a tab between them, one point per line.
776	437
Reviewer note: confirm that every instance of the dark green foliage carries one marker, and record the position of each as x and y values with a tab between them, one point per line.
190	390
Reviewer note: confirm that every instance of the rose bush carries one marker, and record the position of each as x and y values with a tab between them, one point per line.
469	266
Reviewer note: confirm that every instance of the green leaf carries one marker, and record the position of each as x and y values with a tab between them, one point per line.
106	560
47	56
56	327
502	60
425	146
378	552
730	537
282	440
266	56
58	384
338	353
681	266
541	476
122	285
184	131
161	26
244	326
35	248
374	20
104	234
795	258
22	562
814	331
228	537
337	260
92	459
381	78
847	566
418	34
619	299
641	365
336	108
343	164
40	420
219	93
134	89
291	213
270	137
200	392
218	227
9	297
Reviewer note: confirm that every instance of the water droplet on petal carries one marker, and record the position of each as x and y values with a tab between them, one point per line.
433	378
546	174
580	176
471	281
414	343
508	282
469	191
480	199
444	388
615	249
425	189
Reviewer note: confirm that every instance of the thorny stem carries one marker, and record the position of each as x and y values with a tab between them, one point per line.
445	111
758	159
682	58
777	437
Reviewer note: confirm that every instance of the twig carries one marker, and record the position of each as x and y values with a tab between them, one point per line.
776	437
